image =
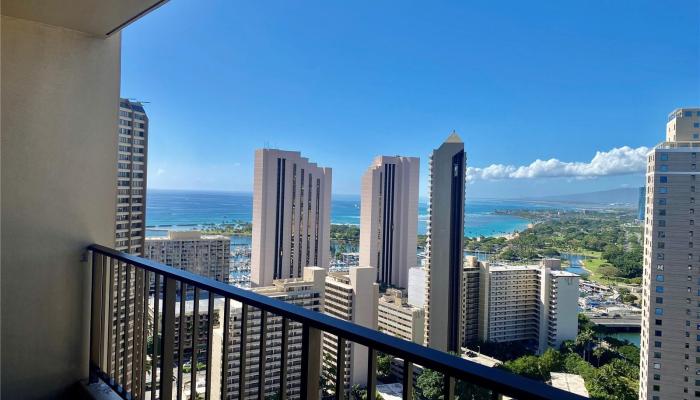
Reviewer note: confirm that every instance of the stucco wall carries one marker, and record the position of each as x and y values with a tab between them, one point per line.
60	93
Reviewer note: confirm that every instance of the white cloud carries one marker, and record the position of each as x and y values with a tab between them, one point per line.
160	172
618	161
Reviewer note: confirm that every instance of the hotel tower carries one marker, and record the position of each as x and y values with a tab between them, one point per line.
389	218
444	246
291	216
670	339
131	177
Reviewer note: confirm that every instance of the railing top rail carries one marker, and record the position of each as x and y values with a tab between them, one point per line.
498	380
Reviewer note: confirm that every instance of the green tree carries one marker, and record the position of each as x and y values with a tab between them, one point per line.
383	365
526	366
585	341
609	383
429	384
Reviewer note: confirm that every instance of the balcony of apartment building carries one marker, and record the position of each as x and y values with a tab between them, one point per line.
82	320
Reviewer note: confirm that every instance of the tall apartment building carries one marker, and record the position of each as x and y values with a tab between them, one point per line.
291	216
131	177
670	339
641	203
398	318
350	296
306	292
532	304
470	300
389	218
206	255
444	246
132	151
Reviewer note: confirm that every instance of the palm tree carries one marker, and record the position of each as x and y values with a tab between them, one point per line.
598	353
585	340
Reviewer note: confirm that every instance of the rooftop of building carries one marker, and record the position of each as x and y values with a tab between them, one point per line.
513	268
480	358
561	274
188	235
570	382
680	146
684	112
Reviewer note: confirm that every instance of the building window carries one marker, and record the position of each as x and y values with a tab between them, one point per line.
663	179
659	311
659	278
663	190
662	202
659	289
663	167
659	300
663	156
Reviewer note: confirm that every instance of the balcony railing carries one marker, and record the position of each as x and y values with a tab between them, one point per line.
134	298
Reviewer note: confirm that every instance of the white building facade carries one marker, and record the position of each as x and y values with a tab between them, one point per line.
206	255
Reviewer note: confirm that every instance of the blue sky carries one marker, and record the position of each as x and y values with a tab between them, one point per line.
345	81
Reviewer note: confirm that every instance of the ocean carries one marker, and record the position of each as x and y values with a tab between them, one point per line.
179	210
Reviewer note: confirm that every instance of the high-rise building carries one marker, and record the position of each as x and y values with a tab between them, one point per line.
396	317
470	301
306	292
291	216
206	255
532	304
641	203
132	150
670	339
444	246
131	177
351	296
389	218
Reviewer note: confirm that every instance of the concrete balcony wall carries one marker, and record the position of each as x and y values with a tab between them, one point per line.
60	96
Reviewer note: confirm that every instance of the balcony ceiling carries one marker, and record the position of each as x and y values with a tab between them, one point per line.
94	17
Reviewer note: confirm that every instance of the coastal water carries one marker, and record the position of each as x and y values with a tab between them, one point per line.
170	209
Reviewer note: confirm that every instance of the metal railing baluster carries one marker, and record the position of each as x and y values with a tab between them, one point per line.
195	347
310	362
371	373
168	342
210	344
449	387
117	336
181	340
225	349
104	339
284	358
94	317
127	295
243	348
110	323
407	380
144	335
134	329
262	355
340	369
154	358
